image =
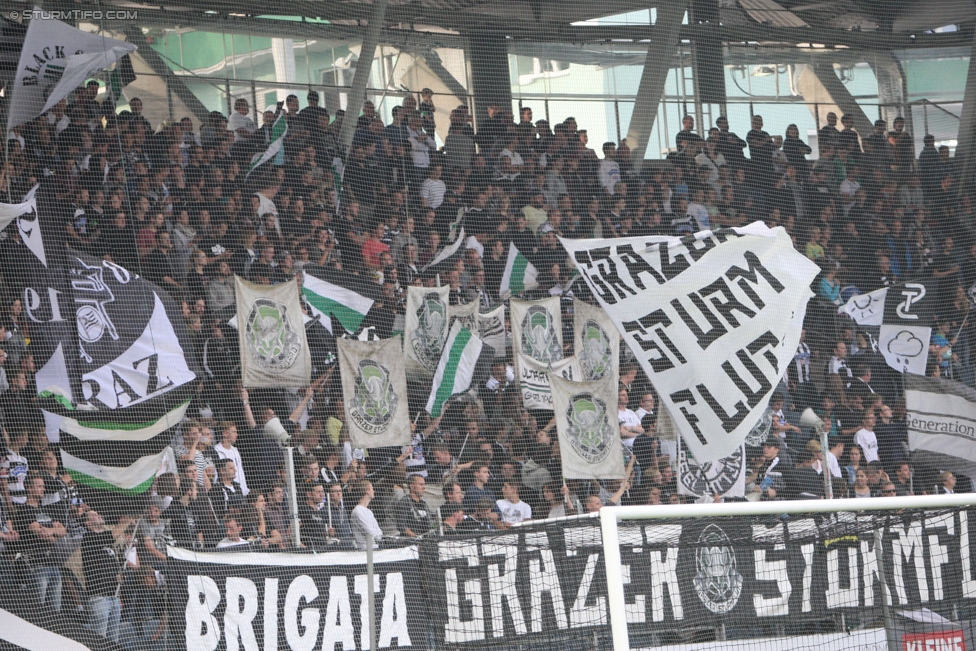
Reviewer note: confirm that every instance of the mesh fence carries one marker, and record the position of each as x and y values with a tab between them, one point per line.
245	335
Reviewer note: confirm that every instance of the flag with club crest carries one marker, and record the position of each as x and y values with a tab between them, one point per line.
271	334
596	342
425	328
374	391
588	428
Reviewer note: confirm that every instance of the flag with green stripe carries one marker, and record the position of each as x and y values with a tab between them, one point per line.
520	274
343	296
455	370
132	479
276	148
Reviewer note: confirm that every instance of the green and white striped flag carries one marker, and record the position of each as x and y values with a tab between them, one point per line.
328	299
455	369
276	148
520	274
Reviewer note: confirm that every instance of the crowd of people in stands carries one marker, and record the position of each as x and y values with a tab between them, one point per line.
176	203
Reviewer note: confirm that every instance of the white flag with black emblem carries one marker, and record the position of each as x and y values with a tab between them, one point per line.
491	329
271	333
588	429
714	319
596	342
725	477
374	392
537	329
426	328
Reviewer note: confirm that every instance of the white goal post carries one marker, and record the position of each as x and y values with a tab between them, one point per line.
610	516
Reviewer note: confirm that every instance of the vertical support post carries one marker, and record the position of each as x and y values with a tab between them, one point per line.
371	596
657	64
889	622
616	603
357	91
292	495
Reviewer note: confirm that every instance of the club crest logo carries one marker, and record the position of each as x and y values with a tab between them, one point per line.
712	477
595	354
757	435
273	344
589	433
93	295
717	581
375	402
428	339
539	337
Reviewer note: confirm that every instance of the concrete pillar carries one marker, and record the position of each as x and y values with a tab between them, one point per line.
893	93
487	56
357	91
825	93
966	147
657	64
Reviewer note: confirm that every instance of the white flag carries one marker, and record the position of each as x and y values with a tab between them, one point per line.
725	477
596	342
425	328
374	390
271	332
537	329
713	318
519	275
534	379
904	312
455	369
466	314
588	429
491	330
56	59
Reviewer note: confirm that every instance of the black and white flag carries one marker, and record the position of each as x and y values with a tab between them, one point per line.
904	314
713	318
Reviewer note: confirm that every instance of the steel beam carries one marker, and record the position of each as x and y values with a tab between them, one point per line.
364	67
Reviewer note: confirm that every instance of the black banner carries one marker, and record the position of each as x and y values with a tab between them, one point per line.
241	601
548	582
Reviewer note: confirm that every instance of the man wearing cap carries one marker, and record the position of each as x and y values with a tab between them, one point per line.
769	475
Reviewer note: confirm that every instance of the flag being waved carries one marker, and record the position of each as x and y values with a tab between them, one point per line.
455	370
904	312
276	148
332	293
520	275
271	333
55	60
374	385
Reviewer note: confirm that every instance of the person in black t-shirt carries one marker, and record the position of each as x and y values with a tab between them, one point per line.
413	515
314	519
39	534
102	561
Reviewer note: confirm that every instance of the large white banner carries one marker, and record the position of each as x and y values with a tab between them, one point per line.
55	60
374	391
941	416
589	432
537	329
425	328
713	318
271	333
596	342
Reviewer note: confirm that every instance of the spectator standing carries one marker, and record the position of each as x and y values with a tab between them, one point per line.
413	515
40	534
226	450
102	560
365	529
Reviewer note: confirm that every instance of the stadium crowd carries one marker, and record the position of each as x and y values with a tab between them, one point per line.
175	202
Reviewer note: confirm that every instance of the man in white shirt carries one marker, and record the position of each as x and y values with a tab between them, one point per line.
866	438
239	122
226	450
646	405
513	509
630	424
609	169
233	529
832	456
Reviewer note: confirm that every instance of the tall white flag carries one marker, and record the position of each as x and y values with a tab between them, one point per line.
491	329
537	329
55	60
425	328
588	429
596	342
713	318
271	332
374	391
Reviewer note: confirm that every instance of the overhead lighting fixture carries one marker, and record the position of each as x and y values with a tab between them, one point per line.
763	71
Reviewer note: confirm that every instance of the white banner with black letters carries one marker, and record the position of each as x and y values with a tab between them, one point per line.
533	379
713	318
941	416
